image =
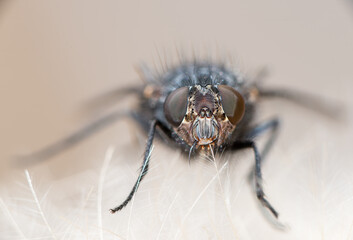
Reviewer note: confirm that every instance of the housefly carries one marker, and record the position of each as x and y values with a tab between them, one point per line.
201	107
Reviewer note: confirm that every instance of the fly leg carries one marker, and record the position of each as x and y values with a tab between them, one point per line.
329	108
144	167
258	175
69	141
272	126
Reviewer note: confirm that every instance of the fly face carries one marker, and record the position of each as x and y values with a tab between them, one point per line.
204	116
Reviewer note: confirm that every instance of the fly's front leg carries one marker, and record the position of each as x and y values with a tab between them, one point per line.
271	126
144	167
258	174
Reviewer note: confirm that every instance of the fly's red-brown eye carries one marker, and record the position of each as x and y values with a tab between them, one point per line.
175	106
232	102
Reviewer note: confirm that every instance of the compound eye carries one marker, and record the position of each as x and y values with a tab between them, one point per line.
175	106
232	102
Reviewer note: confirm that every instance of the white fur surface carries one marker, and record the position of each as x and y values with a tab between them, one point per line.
57	55
307	178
